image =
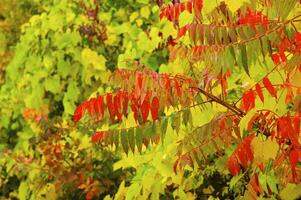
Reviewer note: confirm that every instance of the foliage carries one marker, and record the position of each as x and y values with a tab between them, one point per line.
10	23
204	103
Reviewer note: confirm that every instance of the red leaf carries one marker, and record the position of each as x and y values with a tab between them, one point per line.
99	106
134	106
276	59
177	86
145	107
248	100
294	157
233	165
187	160
296	122
162	13
289	94
176	9
259	92
269	189
189	6
78	113
182	31
89	196
268	85
155	108
117	105
110	105
242	156
198	5
139	80
182	7
125	103
175	165
91	106
97	137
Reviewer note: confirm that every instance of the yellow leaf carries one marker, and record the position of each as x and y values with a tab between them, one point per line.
145	12
90	57
243	124
264	150
134	16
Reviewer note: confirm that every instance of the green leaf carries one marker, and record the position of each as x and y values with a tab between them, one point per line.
164	124
244	58
139	138
116	138
176	122
124	141
235	180
131	139
52	84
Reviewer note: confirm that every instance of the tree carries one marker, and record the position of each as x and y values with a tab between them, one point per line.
242	67
203	104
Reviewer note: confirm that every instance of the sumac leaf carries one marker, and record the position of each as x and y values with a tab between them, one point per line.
139	138
164	124
124	141
145	107
259	92
268	85
116	138
110	106
131	139
155	108
97	137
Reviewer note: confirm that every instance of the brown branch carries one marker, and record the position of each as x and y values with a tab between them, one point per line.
221	102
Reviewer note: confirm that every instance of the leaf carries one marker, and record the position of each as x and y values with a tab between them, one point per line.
291	192
97	137
110	106
244	58
91	57
78	113
264	150
131	138
259	92
176	122
233	166
248	100
164	124
192	32
234	181
139	138
53	84
155	108
268	85
125	102
99	106
294	157
116	138
117	105
134	106
182	31
124	141
145	107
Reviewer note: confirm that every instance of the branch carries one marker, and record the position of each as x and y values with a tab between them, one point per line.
221	102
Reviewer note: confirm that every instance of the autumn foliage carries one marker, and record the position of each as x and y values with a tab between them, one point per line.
179	100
